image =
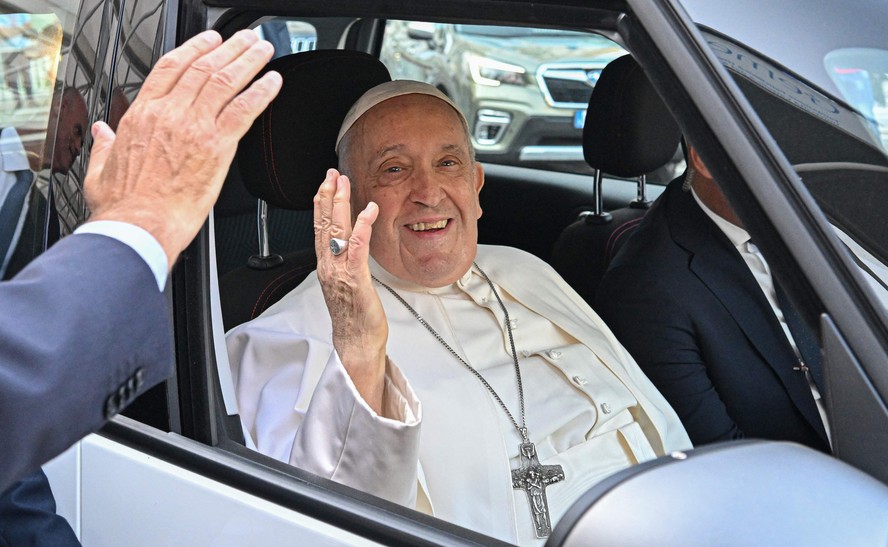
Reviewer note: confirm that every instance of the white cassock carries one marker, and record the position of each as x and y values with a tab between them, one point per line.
589	407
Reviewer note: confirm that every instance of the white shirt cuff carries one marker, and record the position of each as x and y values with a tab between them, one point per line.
138	239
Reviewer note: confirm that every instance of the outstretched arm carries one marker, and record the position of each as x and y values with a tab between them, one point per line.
83	328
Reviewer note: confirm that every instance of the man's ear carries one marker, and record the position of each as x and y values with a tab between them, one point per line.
697	163
479	182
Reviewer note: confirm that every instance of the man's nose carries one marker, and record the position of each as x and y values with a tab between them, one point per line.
426	188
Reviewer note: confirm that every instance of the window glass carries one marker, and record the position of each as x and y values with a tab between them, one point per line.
33	45
835	139
861	75
524	91
288	35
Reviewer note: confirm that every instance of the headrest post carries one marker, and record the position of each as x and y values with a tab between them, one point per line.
598	216
264	260
641	201
262	226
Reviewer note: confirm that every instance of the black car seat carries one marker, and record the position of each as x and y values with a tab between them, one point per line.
281	161
628	133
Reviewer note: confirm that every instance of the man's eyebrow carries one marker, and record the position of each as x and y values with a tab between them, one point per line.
454	148
388	149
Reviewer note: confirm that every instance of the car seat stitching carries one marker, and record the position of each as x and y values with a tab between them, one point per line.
262	294
269	289
617	234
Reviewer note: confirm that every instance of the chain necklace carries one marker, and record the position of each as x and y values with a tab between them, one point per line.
530	476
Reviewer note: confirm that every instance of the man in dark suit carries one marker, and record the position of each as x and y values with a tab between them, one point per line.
694	302
84	328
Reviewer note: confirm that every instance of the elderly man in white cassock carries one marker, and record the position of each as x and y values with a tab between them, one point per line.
469	382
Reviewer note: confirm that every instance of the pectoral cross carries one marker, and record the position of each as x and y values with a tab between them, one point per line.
533	478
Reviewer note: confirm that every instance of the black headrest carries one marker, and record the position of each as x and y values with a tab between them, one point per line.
284	156
628	130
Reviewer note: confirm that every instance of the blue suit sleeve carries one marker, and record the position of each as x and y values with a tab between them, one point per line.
83	331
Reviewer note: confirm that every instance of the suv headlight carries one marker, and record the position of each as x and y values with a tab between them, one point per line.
486	71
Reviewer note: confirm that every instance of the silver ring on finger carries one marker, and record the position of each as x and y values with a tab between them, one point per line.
338	246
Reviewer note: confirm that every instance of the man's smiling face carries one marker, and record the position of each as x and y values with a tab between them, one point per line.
411	155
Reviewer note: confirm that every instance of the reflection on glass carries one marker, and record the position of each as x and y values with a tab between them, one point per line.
288	36
31	52
861	75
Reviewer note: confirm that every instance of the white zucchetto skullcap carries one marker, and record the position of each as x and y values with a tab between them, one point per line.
386	91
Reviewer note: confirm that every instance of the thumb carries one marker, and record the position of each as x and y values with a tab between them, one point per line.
103	140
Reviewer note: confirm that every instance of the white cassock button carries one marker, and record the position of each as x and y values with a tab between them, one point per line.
484	300
513	323
525	353
579	380
606	408
554	354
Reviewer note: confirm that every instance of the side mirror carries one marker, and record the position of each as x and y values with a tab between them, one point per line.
735	493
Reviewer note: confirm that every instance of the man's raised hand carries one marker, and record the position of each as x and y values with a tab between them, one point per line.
164	168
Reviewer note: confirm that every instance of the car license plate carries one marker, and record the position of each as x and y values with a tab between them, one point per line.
579	119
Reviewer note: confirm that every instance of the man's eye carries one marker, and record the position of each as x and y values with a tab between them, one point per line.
393	169
448	163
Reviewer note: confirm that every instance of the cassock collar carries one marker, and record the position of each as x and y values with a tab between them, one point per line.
397	283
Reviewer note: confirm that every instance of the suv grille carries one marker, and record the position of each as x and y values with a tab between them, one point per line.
568	91
568	86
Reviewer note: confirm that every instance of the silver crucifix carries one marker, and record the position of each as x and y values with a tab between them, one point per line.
533	478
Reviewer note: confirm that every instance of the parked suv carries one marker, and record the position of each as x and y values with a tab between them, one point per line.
524	90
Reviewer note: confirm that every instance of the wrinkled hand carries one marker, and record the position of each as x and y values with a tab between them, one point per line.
164	168
360	328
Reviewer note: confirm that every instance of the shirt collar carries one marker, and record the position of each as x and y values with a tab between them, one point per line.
736	234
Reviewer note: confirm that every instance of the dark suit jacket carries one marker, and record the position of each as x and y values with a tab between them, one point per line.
28	515
83	330
682	300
